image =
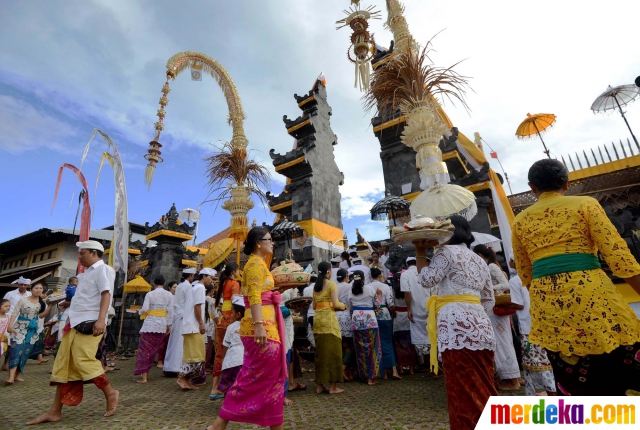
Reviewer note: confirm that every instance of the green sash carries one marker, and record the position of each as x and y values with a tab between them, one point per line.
564	263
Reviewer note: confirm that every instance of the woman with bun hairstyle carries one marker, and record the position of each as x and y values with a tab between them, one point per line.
591	335
257	395
326	331
505	355
366	336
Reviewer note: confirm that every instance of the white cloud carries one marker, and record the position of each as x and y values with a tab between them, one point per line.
24	128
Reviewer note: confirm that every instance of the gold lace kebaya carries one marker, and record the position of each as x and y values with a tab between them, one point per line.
256	280
578	312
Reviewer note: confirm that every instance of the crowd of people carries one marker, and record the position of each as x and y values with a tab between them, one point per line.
566	326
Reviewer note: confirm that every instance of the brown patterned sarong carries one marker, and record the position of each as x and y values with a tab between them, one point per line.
469	382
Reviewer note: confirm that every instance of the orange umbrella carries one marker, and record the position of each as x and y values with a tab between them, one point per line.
218	252
535	124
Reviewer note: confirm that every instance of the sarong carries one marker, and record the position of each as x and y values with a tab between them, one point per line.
148	346
210	352
75	365
193	356
505	355
614	374
257	396
348	352
468	377
368	353
219	358
173	358
38	347
385	328
162	352
51	337
286	381
405	352
328	359
227	378
538	373
19	354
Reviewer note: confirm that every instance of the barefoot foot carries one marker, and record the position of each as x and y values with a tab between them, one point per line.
49	417
336	391
288	402
112	403
19	379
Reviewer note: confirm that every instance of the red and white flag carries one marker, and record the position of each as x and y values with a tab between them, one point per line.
493	154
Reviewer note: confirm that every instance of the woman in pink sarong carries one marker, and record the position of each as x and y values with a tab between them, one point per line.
257	395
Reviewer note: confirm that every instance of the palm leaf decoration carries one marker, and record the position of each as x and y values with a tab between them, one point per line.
410	80
231	164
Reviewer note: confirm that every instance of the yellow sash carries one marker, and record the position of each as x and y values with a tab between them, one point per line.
154	313
227	306
324	305
434	305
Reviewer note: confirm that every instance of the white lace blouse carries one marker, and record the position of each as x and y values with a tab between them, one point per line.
456	270
498	279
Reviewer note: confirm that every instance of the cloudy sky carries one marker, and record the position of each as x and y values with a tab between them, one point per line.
67	67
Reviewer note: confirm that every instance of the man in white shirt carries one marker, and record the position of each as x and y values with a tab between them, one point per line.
416	297
76	361
173	357
538	373
192	371
308	292
14	297
357	265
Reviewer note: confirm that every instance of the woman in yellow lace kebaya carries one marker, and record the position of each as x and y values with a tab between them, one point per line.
257	396
326	331
591	335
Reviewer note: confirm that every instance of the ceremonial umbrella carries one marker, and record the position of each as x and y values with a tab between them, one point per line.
443	200
218	252
536	124
189	215
287	230
390	205
617	97
488	240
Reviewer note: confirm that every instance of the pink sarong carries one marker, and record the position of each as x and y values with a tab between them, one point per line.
257	396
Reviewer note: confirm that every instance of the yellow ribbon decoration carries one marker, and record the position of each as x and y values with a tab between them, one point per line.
434	305
154	313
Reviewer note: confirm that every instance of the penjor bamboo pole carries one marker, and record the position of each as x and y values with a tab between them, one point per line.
124	296
238	252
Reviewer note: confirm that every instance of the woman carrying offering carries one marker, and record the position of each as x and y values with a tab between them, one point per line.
459	325
362	305
256	396
591	335
505	356
326	331
25	327
228	287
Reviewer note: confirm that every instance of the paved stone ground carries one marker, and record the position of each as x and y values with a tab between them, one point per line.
416	402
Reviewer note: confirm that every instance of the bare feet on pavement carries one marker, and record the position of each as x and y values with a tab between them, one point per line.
49	417
112	403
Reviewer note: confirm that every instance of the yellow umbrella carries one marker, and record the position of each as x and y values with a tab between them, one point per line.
137	285
535	124
218	252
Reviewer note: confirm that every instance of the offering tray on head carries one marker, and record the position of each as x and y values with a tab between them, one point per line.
299	302
289	275
503	299
423	234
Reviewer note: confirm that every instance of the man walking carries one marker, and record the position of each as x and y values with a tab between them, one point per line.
192	371
76	362
416	297
173	358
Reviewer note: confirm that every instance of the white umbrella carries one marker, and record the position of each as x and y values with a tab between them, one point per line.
443	200
488	240
189	215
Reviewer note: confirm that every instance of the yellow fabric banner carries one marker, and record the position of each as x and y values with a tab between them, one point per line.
480	158
320	230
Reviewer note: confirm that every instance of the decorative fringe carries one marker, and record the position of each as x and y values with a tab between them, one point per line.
148	175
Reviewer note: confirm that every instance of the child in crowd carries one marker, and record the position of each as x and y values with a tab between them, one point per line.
5	306
234	350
